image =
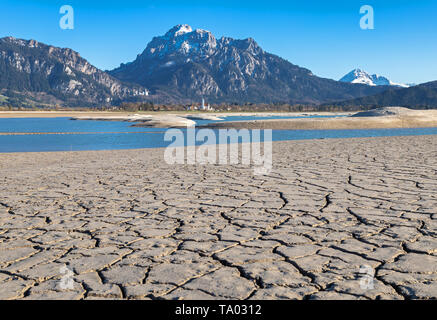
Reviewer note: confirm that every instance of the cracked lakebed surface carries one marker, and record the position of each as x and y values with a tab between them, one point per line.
130	226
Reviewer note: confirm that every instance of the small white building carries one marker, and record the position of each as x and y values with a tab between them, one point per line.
141	93
204	107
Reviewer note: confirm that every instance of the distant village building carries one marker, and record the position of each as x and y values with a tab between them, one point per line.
204	107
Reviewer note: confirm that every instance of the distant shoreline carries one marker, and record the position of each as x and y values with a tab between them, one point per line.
412	119
325	124
102	114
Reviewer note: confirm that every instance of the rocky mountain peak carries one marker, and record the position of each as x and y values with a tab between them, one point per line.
181	41
186	44
248	45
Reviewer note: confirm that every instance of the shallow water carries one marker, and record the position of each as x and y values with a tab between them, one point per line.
114	135
63	125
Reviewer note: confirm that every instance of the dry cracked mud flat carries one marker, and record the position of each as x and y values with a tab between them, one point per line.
129	226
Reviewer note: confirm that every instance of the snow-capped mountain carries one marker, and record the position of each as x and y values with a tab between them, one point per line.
189	64
362	77
182	40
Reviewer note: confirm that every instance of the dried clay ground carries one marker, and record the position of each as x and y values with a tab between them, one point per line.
130	226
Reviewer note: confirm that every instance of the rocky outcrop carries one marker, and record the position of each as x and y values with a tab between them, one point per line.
30	67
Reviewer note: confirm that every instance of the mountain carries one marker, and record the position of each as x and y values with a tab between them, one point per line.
32	74
360	76
190	64
418	97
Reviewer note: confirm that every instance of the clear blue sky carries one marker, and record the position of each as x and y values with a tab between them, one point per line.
323	36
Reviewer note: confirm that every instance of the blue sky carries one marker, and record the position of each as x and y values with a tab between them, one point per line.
323	36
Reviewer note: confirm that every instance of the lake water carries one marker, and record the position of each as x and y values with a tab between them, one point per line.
113	135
